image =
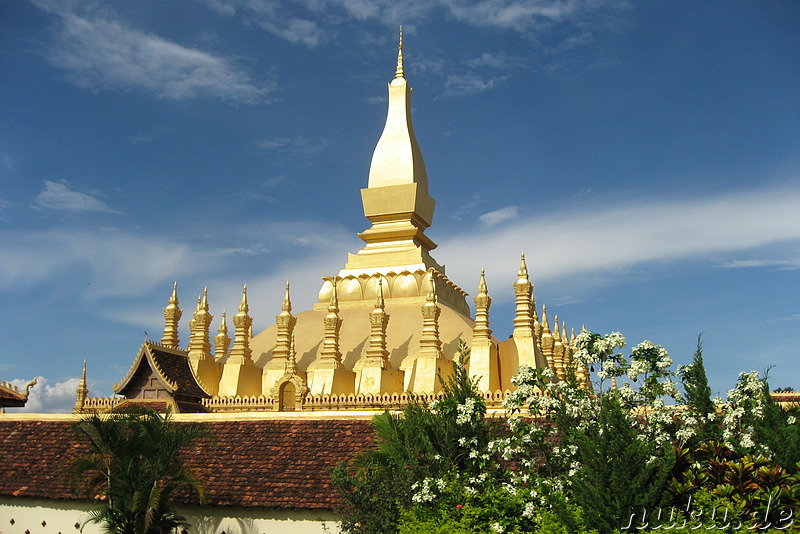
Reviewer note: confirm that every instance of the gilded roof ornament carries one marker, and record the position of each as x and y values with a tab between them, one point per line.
399	73
173	299
223	324
482	284
287	302
523	268
243	307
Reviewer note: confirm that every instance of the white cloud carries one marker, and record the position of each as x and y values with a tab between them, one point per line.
100	54
525	15
469	84
59	197
781	264
493	218
294	145
108	264
311	23
48	398
606	238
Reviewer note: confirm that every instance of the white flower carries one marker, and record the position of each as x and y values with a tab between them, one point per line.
529	510
497	527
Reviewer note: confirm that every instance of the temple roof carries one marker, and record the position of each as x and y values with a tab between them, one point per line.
172	367
261	463
11	397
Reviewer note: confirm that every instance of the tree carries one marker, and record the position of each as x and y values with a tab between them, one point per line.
133	462
698	395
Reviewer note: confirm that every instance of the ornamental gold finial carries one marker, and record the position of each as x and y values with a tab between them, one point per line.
379	303
482	284
545	323
333	307
223	324
523	267
287	302
243	307
173	299
399	71
432	287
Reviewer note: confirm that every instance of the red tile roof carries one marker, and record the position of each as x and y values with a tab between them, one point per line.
265	463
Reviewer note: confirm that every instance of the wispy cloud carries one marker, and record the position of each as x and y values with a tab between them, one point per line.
314	23
493	218
59	197
102	53
525	15
293	145
747	264
566	243
470	83
104	264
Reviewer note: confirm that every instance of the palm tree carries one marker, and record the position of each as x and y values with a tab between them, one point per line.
133	462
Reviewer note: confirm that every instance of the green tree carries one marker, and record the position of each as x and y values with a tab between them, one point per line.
698	396
133	462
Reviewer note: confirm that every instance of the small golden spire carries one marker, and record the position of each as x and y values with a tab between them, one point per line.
172	315
82	392
221	341
399	71
379	303
204	302
223	324
557	333
545	322
482	284
287	302
173	299
432	290
523	268
243	307
333	307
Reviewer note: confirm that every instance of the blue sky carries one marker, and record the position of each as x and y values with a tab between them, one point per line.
643	154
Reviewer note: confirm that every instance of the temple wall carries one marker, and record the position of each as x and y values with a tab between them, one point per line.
61	516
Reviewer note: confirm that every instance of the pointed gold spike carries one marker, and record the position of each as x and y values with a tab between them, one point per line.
287	301
243	307
523	267
173	299
379	302
399	73
223	324
482	284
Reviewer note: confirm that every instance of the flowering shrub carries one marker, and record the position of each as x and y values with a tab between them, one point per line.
569	455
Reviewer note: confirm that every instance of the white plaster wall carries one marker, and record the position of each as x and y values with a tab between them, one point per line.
60	517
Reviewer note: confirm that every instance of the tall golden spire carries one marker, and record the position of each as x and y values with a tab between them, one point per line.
285	321
399	71
396	199
523	318
82	392
221	341
482	303
429	344
172	315
378	320
333	323
199	342
241	352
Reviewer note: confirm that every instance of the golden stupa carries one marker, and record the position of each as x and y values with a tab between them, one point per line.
386	326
